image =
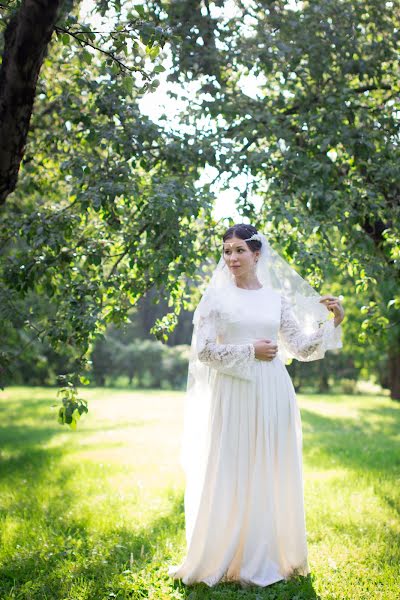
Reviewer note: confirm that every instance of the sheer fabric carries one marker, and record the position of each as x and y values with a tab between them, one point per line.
302	346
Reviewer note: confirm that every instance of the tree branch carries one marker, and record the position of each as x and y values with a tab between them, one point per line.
85	42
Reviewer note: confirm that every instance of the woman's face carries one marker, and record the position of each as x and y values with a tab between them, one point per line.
238	256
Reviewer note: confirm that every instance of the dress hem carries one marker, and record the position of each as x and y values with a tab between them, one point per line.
299	571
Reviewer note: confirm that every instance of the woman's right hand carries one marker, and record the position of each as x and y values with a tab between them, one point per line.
265	349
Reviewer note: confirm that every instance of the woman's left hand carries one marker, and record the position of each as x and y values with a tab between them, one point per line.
333	304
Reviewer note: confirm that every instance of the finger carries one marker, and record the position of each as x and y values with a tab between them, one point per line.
339	298
327	298
333	306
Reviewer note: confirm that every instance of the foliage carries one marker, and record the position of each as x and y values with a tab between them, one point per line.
349	386
302	101
106	207
73	407
141	364
100	514
124	44
38	364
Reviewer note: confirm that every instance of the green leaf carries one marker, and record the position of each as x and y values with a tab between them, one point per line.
153	51
139	9
76	415
86	56
127	84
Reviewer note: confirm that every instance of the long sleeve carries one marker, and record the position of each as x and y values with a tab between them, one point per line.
231	359
306	346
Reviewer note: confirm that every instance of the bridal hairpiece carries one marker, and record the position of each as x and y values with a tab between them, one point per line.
255	236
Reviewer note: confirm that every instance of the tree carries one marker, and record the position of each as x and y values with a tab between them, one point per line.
106	205
30	25
317	136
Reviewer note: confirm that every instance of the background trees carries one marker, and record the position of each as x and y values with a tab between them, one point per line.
299	99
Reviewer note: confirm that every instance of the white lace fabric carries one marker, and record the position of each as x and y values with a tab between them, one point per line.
231	359
306	346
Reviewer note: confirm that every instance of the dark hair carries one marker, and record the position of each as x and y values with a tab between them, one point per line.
243	232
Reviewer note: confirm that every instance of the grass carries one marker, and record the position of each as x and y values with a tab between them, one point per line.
98	513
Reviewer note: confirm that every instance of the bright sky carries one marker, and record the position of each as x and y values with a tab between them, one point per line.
158	102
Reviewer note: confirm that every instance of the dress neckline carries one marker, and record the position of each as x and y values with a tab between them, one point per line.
250	290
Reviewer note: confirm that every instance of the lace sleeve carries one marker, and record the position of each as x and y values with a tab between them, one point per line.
231	359
306	346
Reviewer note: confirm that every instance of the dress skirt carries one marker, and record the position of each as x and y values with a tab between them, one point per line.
249	522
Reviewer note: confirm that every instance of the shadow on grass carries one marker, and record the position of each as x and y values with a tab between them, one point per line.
300	588
354	443
367	445
25	423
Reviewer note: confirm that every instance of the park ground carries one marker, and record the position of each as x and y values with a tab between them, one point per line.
97	513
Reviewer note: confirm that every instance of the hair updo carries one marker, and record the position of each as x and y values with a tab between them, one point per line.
243	232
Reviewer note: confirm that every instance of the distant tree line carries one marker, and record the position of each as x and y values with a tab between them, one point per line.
130	356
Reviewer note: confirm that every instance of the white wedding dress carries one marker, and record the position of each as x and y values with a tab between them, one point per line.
244	510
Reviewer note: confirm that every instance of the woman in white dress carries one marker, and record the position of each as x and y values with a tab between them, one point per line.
242	444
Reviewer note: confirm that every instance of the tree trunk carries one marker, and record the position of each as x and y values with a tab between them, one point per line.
294	374
394	373
323	384
26	38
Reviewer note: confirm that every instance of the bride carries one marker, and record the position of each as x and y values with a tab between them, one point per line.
242	439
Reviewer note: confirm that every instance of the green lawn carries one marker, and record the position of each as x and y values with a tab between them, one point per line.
98	513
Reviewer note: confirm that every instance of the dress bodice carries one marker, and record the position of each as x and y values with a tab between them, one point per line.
257	316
